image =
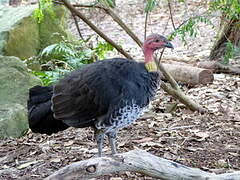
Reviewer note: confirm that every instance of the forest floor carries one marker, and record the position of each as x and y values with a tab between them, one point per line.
209	141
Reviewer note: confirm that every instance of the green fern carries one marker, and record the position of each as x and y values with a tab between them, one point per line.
64	57
59	51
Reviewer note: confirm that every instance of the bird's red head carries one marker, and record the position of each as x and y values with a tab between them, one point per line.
153	43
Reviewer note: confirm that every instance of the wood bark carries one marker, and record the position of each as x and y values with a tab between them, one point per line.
189	74
136	161
176	92
218	67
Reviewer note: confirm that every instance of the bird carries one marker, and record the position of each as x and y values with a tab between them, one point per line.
106	95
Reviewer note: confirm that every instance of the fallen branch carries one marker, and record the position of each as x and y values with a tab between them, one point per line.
218	67
136	161
189	74
175	91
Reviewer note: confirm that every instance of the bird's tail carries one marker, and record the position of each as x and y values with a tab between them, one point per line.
40	116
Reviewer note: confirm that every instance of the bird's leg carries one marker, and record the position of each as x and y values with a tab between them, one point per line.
99	136
112	141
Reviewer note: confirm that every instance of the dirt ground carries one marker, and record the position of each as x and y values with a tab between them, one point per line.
209	141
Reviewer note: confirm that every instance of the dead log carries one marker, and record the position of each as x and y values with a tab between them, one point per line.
189	74
218	67
136	161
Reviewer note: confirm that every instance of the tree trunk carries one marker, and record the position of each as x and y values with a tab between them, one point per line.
229	32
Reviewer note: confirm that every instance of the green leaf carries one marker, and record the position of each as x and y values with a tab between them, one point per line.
108	3
150	5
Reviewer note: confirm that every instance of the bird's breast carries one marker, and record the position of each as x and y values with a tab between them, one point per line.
121	117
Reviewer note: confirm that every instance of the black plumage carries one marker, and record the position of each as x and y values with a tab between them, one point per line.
97	89
106	95
40	116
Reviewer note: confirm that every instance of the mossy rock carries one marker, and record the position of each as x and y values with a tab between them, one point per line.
15	82
53	27
22	36
13	120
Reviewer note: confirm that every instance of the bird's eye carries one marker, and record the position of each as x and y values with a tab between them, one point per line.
157	40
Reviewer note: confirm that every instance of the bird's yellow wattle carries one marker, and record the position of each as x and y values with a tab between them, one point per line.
151	66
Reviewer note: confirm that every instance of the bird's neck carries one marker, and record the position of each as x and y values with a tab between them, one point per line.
148	54
149	63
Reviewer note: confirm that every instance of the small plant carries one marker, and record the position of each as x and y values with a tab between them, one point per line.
189	28
229	8
61	58
231	52
43	5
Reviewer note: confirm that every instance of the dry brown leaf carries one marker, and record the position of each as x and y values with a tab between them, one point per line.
22	166
147	139
149	144
202	135
115	178
68	143
56	160
169	155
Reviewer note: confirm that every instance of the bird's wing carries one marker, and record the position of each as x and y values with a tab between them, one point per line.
84	95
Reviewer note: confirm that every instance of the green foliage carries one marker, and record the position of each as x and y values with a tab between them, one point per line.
231	52
108	3
189	28
59	59
60	50
49	77
102	48
38	15
229	8
46	5
150	5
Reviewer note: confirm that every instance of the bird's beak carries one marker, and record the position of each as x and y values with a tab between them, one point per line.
168	45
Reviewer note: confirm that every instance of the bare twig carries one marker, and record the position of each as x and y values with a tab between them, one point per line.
77	26
145	26
100	33
171	16
116	18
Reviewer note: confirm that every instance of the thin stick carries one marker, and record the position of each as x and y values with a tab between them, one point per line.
100	33
145	26
116	18
77	26
171	16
